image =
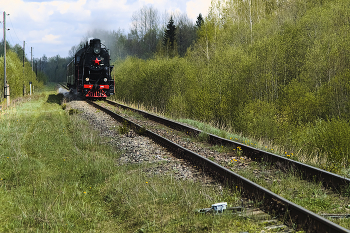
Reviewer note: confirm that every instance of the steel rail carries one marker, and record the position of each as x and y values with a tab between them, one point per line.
64	86
291	213
328	179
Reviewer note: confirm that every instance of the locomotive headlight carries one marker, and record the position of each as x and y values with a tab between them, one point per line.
87	79
105	79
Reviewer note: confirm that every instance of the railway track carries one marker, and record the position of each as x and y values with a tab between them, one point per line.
328	179
293	214
64	86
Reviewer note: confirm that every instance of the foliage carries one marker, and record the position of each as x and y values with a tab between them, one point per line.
169	40
271	69
54	68
18	76
169	34
199	21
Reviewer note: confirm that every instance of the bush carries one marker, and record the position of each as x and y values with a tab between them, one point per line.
259	119
328	141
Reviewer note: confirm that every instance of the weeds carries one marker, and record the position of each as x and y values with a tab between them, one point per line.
124	129
203	137
142	131
73	111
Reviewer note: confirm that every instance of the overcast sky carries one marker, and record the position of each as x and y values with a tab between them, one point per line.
53	27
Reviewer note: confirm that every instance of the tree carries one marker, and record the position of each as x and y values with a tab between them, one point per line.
170	33
169	39
200	21
145	32
186	33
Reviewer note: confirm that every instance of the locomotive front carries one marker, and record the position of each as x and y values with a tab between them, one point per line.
90	71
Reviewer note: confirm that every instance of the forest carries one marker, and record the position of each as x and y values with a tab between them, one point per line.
273	70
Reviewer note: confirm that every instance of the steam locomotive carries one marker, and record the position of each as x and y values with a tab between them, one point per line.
89	73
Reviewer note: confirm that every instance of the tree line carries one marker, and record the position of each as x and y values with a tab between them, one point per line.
146	38
18	72
277	70
147	35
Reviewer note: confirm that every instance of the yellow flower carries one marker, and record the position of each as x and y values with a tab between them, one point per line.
146	182
288	155
285	152
230	138
84	192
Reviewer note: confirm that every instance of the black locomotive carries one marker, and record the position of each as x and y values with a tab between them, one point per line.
90	71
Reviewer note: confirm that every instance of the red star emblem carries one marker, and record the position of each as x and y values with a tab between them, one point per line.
97	61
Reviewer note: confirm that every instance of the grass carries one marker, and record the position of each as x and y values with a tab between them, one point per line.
209	129
312	196
59	175
315	158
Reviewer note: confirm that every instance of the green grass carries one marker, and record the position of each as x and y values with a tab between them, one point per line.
290	185
312	157
59	175
312	196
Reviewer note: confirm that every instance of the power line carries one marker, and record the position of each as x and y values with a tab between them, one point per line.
9	32
14	30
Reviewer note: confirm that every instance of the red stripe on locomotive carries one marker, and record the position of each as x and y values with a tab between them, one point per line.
89	86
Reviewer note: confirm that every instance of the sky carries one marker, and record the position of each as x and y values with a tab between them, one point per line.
53	27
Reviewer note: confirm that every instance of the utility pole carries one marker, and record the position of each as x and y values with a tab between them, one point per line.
31	56
4	24
251	22
24	54
6	89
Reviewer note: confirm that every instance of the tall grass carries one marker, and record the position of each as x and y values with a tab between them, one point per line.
59	175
